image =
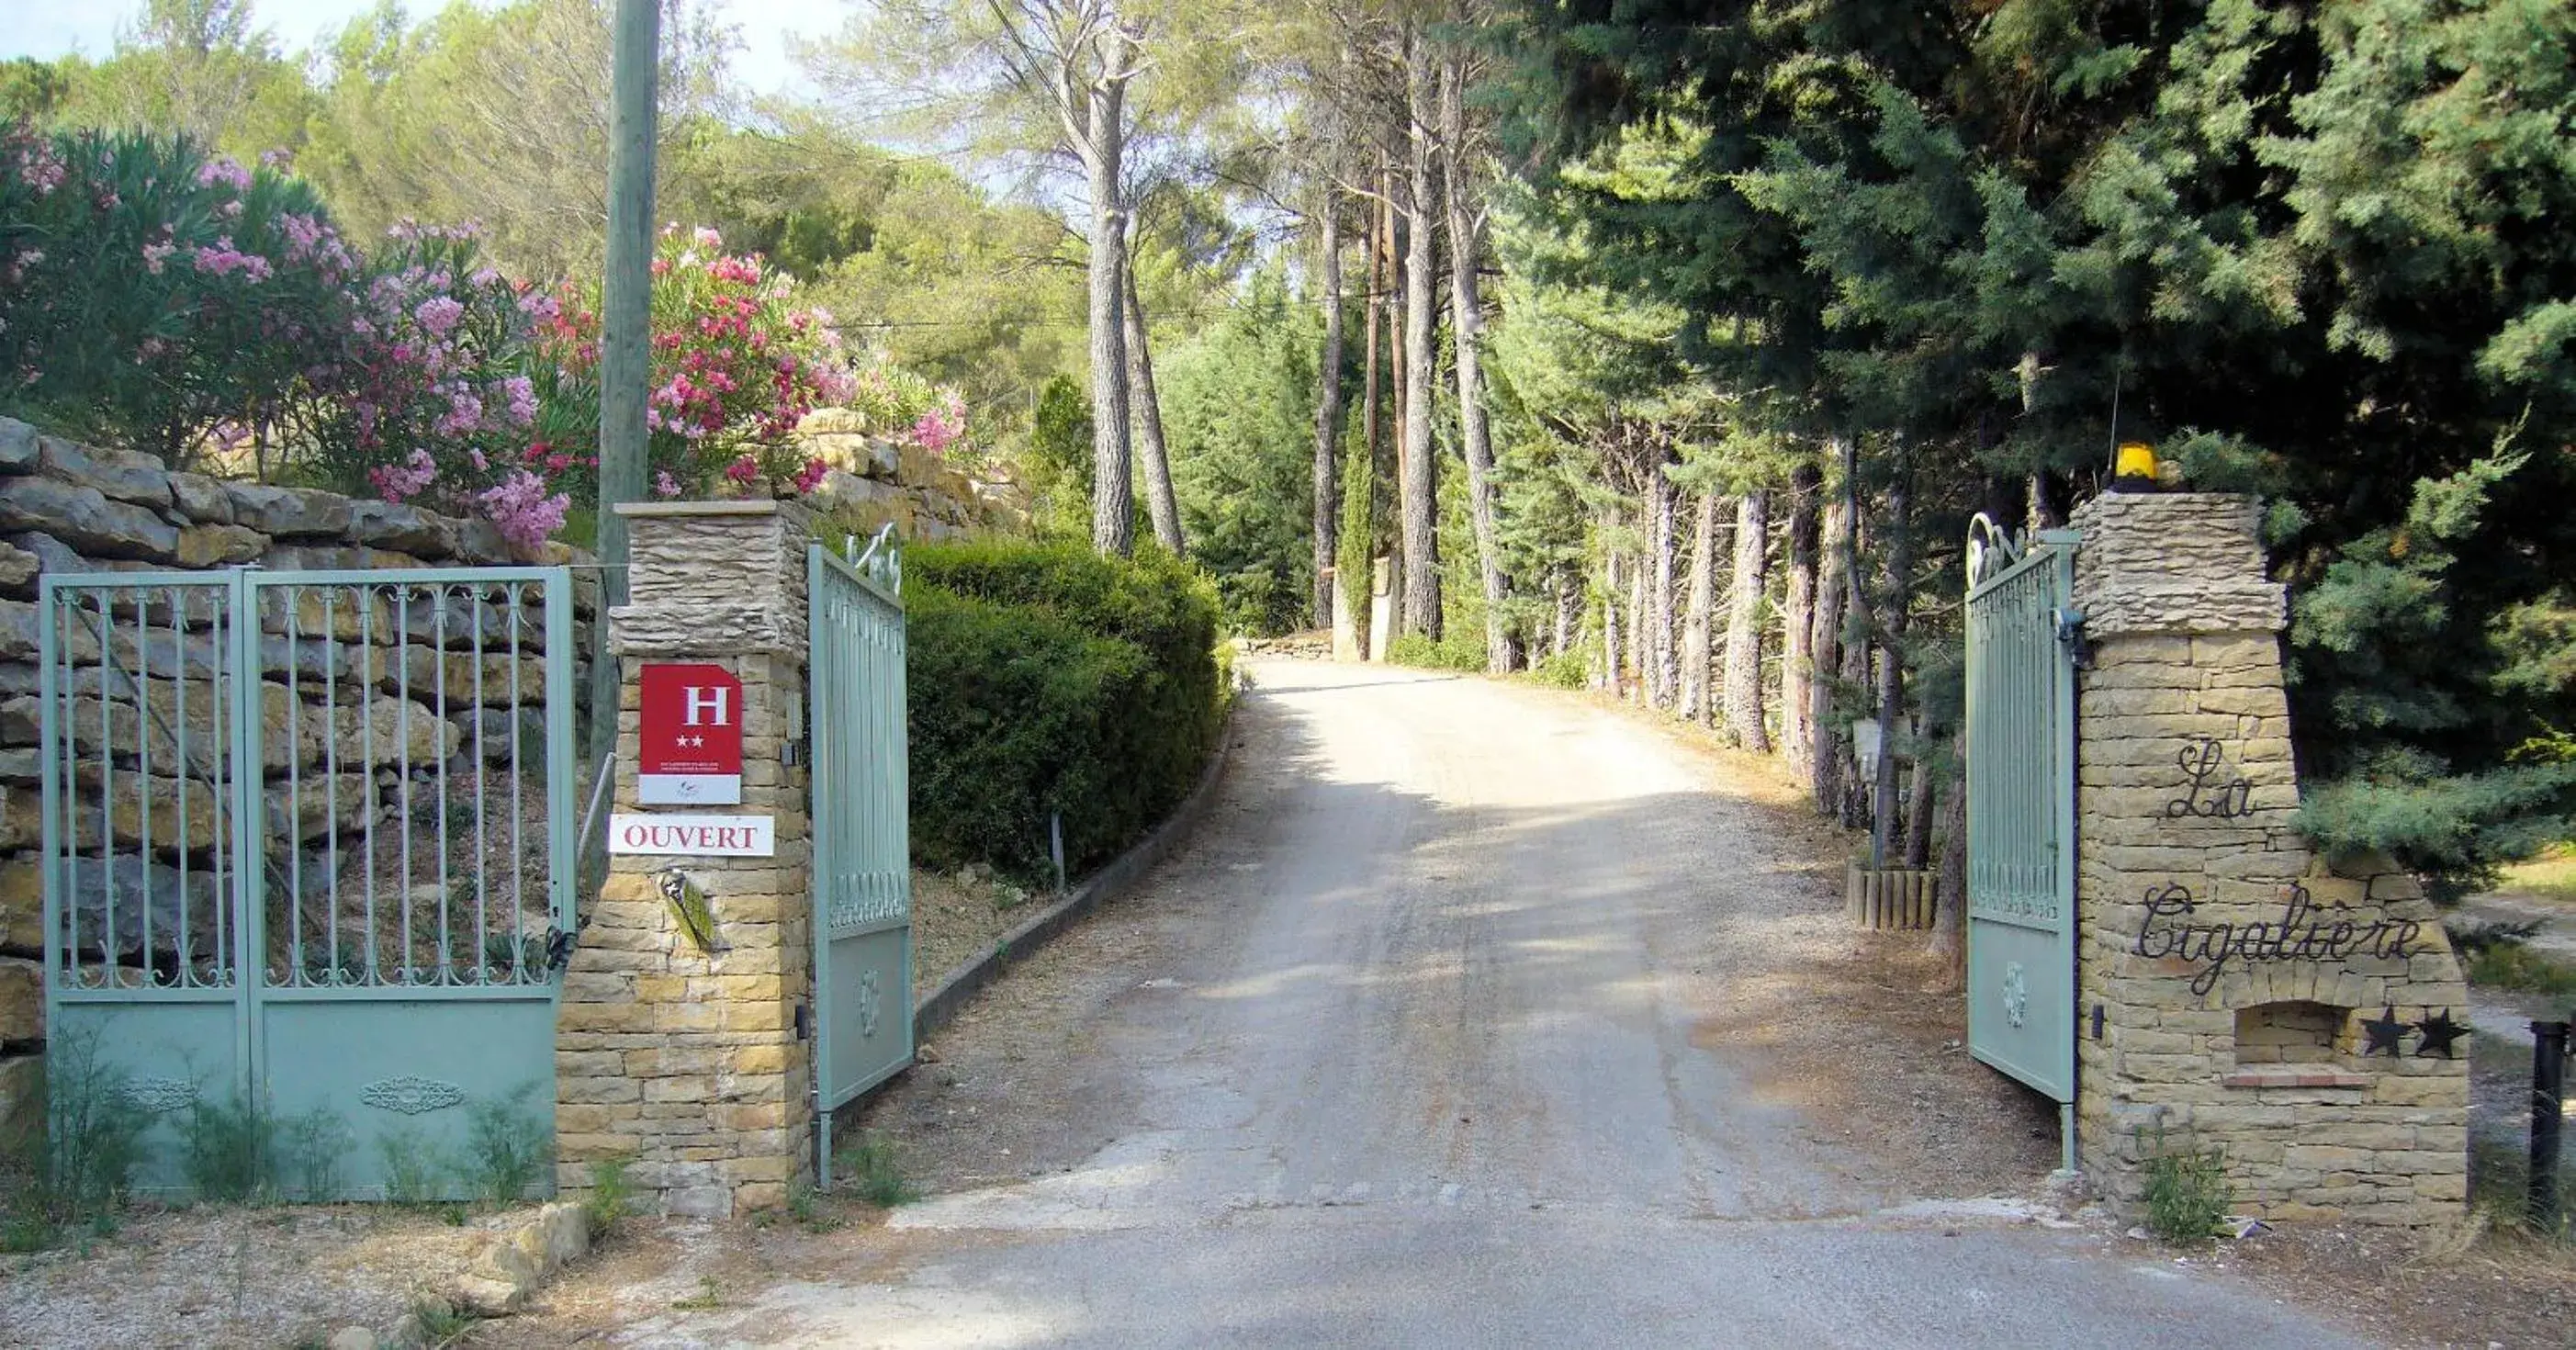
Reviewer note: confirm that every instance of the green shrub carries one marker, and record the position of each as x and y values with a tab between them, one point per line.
2187	1193
153	291
1008	707
228	1149
871	1171
62	1177
1565	670
1457	651
1042	679
510	1146
2512	965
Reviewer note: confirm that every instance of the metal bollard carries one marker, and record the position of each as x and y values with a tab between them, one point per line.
2548	1090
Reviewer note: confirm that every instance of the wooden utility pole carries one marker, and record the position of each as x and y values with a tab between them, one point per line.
626	317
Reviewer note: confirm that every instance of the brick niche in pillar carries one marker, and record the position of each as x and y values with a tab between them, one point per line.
687	1062
2236	991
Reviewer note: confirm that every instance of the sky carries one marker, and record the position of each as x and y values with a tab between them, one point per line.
52	28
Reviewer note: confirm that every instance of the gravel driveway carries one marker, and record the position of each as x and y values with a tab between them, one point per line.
1436	1036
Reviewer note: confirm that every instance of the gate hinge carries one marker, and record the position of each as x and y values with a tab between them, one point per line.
2071	636
802	1017
792	753
559	945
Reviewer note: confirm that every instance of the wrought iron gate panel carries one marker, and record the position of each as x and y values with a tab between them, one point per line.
2021	813
307	854
862	863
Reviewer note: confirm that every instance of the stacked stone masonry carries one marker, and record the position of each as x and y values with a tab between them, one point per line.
2186	796
687	1064
876	482
74	508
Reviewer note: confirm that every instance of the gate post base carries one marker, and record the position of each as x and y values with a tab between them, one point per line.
684	1060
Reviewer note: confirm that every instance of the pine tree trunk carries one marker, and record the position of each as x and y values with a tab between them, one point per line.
1569	612
1949	920
1797	623
1373	382
1419	480
1696	702
1664	673
1825	656
1328	417
1610	651
2047	500
1918	815
1640	684
1160	503
1744	719
1889	619
1389	286
1112	500
1856	666
1467	323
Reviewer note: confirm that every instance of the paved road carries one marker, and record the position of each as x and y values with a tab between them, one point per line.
1436	1084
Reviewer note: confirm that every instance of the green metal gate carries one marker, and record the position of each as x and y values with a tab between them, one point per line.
308	872
862	831
2021	810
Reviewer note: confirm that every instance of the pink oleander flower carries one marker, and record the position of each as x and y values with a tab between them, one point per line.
397	483
743	470
521	394
223	259
811	476
223	169
664	485
941	427
40	169
525	512
439	314
833	384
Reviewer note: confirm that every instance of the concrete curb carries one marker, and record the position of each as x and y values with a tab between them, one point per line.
941	1005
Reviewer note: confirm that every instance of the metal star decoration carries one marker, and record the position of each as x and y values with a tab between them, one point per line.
2385	1032
2440	1032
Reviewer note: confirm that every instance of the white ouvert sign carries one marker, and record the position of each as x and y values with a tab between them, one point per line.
693	836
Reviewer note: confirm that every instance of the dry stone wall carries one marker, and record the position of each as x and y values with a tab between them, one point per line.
73	508
2240	993
882	482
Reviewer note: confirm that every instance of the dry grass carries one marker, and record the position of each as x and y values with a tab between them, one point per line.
2551	876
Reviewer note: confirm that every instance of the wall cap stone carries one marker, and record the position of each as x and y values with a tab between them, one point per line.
746	506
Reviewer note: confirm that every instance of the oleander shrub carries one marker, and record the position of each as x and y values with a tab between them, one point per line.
1044	679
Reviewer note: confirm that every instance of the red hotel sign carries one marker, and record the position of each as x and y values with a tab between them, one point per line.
689	750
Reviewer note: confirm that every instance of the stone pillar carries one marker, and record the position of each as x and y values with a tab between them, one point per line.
2227	975
687	1063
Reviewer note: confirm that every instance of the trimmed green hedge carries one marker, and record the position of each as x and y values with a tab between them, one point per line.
1044	678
